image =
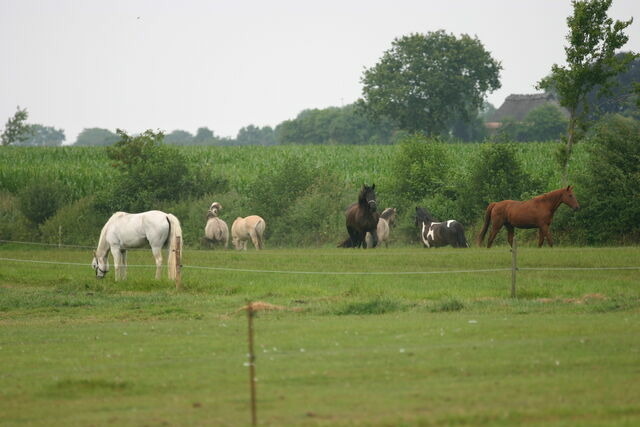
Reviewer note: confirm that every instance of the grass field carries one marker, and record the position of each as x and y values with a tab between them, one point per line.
382	337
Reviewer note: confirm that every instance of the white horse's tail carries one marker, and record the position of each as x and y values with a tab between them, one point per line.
174	233
259	228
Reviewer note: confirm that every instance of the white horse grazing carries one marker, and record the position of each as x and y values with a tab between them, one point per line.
385	222
126	231
243	229
216	229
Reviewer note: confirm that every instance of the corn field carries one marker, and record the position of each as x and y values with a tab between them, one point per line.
86	169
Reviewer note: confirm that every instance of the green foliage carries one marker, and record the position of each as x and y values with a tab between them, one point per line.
315	217
75	223
419	167
254	135
610	187
545	123
13	224
374	306
593	39
95	137
424	82
345	125
272	193
623	97
179	137
150	172
16	130
496	174
41	136
41	198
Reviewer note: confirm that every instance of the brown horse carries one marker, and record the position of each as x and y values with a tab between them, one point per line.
535	213
362	218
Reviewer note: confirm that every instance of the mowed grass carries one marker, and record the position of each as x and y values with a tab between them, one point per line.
383	337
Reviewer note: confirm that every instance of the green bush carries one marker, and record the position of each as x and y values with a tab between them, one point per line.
275	190
151	173
496	174
13	224
316	217
420	168
78	223
609	188
41	198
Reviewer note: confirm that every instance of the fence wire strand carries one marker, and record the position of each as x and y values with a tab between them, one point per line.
338	273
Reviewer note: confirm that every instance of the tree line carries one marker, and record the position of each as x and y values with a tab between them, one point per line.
436	84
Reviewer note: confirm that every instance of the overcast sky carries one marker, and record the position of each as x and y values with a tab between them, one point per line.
185	64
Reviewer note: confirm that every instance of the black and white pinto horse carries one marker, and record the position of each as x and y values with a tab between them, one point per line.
434	234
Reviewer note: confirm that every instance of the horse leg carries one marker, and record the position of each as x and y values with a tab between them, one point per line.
157	255
494	231
544	232
124	265
254	238
374	238
510	234
353	235
117	255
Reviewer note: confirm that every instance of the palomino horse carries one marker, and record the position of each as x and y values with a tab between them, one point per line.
434	234
535	213
362	218
127	231
216	229
386	221
243	229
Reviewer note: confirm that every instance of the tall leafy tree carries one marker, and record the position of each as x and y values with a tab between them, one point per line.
16	130
96	137
41	136
427	81
591	61
254	135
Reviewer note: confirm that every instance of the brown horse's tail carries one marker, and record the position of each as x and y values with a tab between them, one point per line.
346	243
487	220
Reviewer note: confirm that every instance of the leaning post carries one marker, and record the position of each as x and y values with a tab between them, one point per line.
178	257
514	266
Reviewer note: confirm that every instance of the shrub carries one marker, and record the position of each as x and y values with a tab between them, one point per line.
419	168
609	188
274	191
496	174
41	198
78	223
316	217
151	173
13	224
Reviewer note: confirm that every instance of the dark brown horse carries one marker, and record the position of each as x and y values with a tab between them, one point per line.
362	218
535	213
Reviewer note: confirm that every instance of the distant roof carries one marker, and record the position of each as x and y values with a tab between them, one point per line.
518	106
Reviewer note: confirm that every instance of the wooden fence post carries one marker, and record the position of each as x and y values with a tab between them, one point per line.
178	259
514	266
252	365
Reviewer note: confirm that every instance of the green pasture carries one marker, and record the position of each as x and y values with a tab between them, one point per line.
401	336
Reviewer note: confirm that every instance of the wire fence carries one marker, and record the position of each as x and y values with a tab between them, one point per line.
298	272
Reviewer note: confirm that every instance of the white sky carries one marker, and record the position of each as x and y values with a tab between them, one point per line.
184	64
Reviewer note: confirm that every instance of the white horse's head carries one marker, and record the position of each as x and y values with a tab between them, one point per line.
100	265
